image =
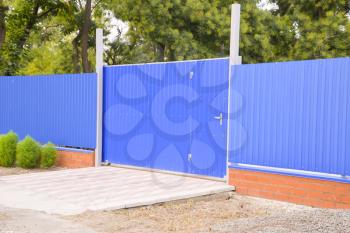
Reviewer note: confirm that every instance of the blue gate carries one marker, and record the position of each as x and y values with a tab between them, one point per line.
167	116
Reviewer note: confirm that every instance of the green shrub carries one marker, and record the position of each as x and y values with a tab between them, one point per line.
8	145
28	153
48	155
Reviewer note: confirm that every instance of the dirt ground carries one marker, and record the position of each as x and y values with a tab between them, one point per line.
17	171
226	212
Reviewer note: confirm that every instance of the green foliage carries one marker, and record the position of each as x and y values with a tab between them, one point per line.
320	29
50	58
45	36
8	145
177	30
315	9
55	26
124	52
28	153
48	155
24	19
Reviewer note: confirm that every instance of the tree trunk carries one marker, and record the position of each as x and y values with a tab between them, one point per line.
160	50
172	56
85	37
3	10
75	56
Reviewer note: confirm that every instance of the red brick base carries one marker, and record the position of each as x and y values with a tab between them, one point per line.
75	159
305	191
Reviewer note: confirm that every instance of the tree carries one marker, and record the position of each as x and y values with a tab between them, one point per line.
32	31
171	29
49	57
192	29
80	20
264	37
22	21
121	51
72	19
321	28
315	9
3	10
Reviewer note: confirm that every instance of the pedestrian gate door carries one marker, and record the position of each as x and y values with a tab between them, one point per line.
167	116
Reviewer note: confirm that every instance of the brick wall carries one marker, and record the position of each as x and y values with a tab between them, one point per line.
305	191
75	159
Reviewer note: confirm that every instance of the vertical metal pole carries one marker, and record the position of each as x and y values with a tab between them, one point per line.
99	118
235	59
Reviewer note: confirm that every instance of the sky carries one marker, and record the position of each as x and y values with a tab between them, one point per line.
266	5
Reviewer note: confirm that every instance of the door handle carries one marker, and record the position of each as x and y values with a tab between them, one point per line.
220	118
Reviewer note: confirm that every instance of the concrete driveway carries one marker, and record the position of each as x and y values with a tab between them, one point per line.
70	192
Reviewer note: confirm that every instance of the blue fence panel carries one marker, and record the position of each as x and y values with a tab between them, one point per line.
293	115
164	116
56	108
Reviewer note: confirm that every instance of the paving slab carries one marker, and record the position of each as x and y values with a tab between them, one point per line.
70	192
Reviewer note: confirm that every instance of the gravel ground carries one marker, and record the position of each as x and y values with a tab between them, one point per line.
226	212
316	221
285	218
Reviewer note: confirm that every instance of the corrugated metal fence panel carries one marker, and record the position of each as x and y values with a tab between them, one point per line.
56	108
294	115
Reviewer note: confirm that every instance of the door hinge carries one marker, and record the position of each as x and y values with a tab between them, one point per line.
191	75
189	157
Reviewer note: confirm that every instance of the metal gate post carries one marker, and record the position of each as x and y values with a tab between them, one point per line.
99	118
235	59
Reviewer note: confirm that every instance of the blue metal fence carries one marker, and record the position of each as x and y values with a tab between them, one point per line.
290	117
293	117
56	108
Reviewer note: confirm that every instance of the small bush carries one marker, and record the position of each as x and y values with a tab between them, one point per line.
48	155
28	153
8	145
